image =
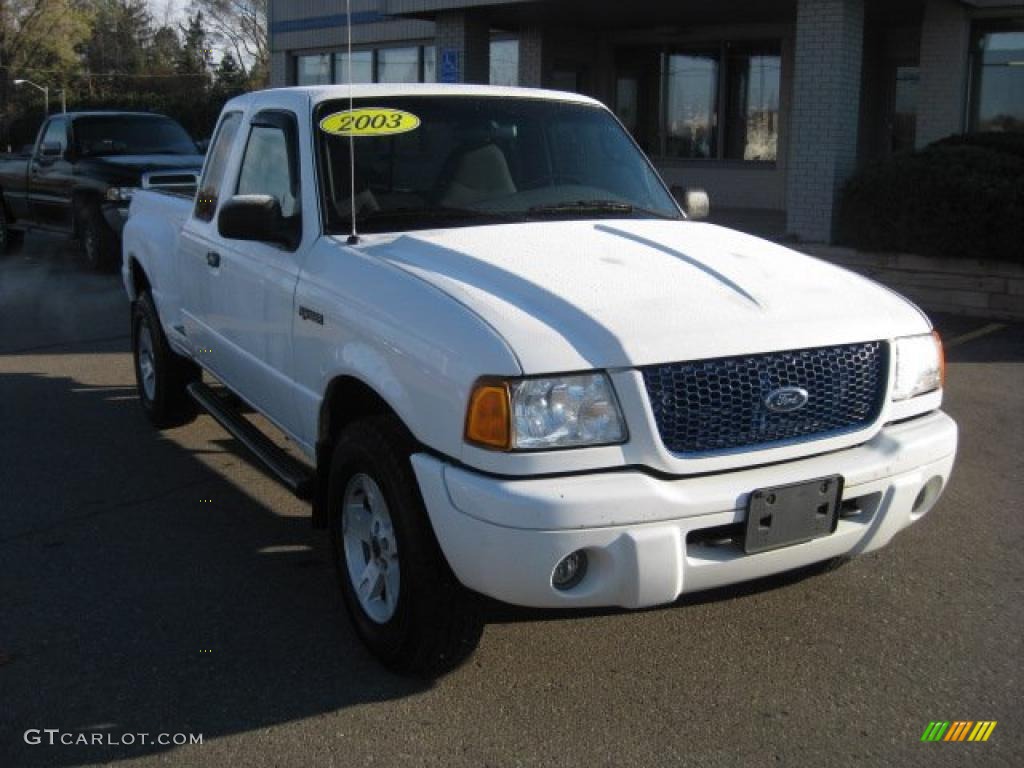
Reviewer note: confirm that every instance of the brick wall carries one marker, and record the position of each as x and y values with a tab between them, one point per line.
470	35
945	39
531	57
279	75
958	286
824	113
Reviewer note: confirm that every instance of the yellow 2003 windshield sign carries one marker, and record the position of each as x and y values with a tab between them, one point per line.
369	121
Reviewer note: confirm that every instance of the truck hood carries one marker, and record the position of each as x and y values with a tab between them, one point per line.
129	168
149	162
574	295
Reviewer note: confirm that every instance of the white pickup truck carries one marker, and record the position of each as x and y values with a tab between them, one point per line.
530	374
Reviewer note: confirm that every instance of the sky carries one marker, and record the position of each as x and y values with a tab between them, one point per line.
167	10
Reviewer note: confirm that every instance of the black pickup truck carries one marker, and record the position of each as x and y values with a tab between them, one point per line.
80	175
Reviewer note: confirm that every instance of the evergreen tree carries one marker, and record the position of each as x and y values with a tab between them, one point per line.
229	77
121	33
195	57
164	52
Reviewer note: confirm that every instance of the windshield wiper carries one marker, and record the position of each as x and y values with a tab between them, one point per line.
592	208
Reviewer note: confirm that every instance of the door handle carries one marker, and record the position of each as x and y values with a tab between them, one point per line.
213	259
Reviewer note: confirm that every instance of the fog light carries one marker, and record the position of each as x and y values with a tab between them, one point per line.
927	497
570	571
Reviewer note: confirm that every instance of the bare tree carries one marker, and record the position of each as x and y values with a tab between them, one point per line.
241	27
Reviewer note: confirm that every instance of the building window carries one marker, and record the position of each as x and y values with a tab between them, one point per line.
398	65
627	101
504	62
903	130
362	67
752	96
408	64
691	105
997	76
429	64
313	70
716	101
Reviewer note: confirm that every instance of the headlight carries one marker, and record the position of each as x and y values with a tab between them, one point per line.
920	365
120	194
542	413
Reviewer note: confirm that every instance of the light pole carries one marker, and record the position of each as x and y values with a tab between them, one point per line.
43	88
63	99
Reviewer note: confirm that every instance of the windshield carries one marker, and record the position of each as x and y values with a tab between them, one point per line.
473	160
130	135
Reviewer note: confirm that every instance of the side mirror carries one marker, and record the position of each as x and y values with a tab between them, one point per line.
696	203
50	149
259	218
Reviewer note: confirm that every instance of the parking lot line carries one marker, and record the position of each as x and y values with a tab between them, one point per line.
975	334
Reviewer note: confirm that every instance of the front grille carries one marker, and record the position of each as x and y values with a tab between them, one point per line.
719	405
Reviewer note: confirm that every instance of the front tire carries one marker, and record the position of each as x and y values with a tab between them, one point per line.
98	242
404	601
161	375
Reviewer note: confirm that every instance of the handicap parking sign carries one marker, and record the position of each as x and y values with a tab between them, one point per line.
449	65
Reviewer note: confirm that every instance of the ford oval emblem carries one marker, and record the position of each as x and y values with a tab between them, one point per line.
786	399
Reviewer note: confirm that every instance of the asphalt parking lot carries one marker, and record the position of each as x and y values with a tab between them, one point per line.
161	583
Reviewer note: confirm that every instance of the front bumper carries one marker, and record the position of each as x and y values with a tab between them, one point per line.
115	214
504	537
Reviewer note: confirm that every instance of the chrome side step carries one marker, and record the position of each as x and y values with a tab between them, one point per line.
293	474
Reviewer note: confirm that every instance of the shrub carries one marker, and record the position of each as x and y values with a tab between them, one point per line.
1011	143
961	198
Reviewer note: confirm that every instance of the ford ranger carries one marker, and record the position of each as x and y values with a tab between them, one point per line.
80	176
513	365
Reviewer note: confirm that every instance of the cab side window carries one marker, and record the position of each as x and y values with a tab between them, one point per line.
56	133
216	165
270	164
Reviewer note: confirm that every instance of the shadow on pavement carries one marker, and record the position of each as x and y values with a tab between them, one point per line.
130	604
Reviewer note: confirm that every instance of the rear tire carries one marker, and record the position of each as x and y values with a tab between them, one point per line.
403	599
98	242
161	375
10	239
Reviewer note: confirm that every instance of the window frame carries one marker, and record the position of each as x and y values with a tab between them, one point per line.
691	50
214	203
287	122
334	53
976	65
723	50
57	120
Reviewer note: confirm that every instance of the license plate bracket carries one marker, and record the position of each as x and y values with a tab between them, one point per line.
792	514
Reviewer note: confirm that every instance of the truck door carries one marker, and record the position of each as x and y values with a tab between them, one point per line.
199	240
50	178
251	284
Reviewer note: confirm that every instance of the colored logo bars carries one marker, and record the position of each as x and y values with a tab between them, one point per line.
958	730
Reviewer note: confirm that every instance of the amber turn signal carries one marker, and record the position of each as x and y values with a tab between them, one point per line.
487	422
